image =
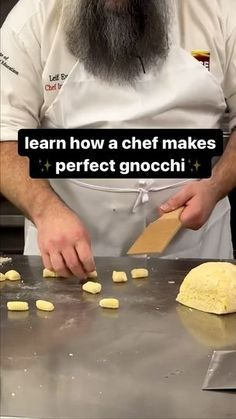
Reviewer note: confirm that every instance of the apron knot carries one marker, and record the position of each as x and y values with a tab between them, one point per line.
143	193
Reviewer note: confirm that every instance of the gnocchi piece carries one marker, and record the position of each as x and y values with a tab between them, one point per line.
12	275
49	274
92	275
44	305
139	273
17	306
2	277
92	287
109	303
119	276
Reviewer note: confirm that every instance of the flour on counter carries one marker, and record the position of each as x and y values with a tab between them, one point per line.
4	260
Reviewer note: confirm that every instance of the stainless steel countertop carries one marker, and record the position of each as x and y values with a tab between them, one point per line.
146	360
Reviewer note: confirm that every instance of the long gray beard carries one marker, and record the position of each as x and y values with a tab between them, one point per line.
117	41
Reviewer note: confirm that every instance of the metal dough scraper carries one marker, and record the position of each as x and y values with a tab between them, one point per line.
157	236
221	374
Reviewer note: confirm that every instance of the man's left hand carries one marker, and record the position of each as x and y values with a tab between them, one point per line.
199	199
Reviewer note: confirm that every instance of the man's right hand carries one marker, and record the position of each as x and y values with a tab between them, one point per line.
64	242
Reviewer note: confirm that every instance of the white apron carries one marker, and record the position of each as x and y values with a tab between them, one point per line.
182	94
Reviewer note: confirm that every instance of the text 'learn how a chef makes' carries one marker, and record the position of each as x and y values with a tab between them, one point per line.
120	153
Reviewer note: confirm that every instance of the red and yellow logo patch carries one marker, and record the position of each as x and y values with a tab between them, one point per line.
203	57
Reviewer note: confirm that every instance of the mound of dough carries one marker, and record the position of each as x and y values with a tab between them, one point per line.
210	287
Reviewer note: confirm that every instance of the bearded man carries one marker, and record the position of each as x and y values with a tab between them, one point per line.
118	64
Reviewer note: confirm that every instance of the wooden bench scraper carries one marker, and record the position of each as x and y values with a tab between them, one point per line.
158	234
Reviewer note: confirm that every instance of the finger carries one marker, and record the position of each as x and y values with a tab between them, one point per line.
84	252
178	200
46	261
192	216
73	263
58	264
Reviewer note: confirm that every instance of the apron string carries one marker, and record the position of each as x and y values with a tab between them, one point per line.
142	191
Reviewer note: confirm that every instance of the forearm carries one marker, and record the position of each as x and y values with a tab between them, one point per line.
63	241
223	178
31	196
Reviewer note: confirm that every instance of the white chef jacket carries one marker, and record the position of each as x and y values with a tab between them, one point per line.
35	61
